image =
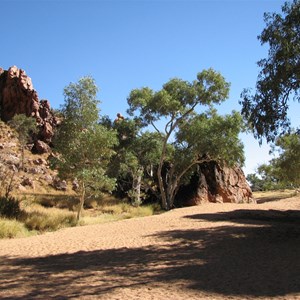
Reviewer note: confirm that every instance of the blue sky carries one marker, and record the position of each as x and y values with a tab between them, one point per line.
130	44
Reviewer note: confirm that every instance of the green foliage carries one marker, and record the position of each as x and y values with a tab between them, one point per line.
178	98
9	207
255	182
25	127
211	135
278	80
282	171
137	154
86	155
84	147
287	165
81	106
197	137
127	132
264	180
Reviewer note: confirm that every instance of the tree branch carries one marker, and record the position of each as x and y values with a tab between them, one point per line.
155	127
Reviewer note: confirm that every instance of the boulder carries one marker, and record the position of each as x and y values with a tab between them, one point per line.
27	182
215	183
60	185
75	185
40	161
41	147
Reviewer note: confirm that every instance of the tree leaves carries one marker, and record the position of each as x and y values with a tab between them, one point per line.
194	134
178	97
84	147
279	79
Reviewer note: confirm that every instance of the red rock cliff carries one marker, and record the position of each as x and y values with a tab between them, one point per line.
17	96
215	183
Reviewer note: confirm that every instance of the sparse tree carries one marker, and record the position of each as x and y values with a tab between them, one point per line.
84	147
25	127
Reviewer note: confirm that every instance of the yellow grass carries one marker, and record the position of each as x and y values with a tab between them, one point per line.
40	218
115	212
268	196
50	212
12	229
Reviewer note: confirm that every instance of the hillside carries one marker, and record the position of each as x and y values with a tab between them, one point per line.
37	177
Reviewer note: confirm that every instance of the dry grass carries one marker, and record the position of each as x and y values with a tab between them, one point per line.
99	219
50	212
39	218
12	229
55	210
268	196
112	209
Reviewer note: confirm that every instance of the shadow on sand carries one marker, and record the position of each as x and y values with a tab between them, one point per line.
257	257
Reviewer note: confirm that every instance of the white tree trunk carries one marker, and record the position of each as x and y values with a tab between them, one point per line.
81	202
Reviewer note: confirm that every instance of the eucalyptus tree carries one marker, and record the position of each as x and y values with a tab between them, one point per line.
193	136
140	161
137	156
84	147
286	166
279	79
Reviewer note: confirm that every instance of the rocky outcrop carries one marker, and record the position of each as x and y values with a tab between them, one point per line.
17	96
215	183
35	174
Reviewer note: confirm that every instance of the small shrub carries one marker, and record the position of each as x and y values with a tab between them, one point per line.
9	207
6	181
12	229
48	219
58	201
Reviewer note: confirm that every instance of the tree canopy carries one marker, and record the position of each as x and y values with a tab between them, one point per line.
279	79
188	137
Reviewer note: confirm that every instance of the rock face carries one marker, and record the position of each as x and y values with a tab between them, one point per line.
36	173
17	96
215	183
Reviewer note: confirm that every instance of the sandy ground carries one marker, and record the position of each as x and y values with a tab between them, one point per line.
212	251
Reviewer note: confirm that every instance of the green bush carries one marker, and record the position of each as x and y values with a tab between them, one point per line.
12	229
9	207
